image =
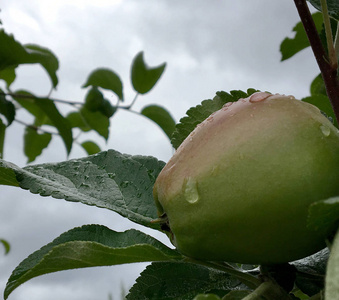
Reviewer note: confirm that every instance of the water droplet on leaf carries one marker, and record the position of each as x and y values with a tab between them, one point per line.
124	184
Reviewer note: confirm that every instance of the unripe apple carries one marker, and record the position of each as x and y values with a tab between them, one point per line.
239	187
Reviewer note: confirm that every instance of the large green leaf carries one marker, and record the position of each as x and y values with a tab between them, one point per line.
160	116
332	273
143	77
106	79
7	172
34	143
291	46
333	7
111	180
197	114
12	54
179	280
90	246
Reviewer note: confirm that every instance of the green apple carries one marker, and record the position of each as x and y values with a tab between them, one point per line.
239	187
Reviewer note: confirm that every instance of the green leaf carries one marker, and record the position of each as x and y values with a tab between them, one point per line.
160	116
90	246
27	101
291	46
46	112
94	99
7	109
34	143
90	147
143	77
8	75
96	121
111	180
107	109
62	124
106	79
2	140
311	272
46	58
7	173
332	273
76	120
6	245
332	5
318	86
197	114
178	280
12	54
324	104
324	215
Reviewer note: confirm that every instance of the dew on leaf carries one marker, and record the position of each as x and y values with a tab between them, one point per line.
124	184
111	175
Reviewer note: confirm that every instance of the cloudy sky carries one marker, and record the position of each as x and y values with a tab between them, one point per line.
208	46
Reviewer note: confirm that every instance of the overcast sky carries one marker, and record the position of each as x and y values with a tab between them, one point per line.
208	46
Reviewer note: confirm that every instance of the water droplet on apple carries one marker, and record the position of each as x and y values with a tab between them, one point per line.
260	96
191	191
325	130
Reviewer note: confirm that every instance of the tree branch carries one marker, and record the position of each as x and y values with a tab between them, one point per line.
329	72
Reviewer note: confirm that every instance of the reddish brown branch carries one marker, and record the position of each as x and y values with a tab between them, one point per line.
328	72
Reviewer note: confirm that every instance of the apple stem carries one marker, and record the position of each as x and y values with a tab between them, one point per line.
327	67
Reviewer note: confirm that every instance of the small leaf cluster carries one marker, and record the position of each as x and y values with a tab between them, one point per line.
93	114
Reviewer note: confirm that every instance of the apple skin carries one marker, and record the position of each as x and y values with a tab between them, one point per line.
239	187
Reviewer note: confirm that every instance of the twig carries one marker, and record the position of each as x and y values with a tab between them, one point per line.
328	72
329	35
14	95
35	127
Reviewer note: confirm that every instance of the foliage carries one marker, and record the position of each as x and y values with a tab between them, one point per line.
123	183
92	114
